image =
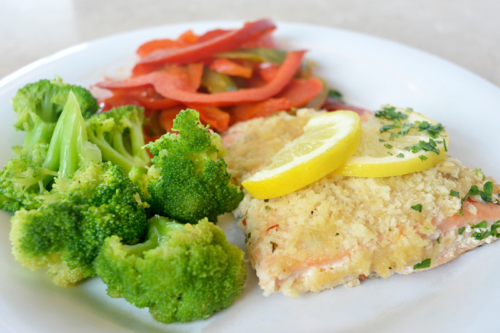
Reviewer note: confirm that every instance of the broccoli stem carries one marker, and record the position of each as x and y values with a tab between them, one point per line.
67	149
120	146
47	114
158	229
137	141
38	132
109	153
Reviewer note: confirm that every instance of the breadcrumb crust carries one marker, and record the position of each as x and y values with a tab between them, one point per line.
340	228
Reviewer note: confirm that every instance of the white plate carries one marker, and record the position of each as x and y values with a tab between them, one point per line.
462	296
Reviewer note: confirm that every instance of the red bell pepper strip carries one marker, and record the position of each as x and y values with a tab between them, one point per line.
266	41
300	91
187	78
170	83
268	71
212	115
200	51
169	88
185	39
261	109
119	98
212	34
146	97
228	67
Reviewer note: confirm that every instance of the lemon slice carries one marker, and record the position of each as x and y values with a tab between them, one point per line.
415	143
327	142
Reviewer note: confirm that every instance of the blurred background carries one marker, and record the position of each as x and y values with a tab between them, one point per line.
466	32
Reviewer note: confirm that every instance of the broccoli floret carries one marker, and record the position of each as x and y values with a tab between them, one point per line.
38	107
22	180
194	182
30	174
118	133
88	202
67	231
182	272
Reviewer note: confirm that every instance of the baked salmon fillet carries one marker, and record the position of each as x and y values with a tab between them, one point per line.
340	230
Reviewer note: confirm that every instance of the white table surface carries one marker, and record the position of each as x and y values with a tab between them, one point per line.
466	32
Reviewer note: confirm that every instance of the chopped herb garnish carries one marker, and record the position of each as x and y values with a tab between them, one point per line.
249	235
438	241
390	229
390	113
334	94
481	236
479	171
429	146
461	230
425	146
424	264
417	207
400	155
337	234
267	208
444	144
390	153
388	146
385	128
422	157
487	192
495	225
406	128
481	225
393	136
454	193
381	140
274	246
430	130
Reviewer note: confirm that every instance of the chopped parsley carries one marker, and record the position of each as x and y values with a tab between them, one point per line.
337	234
481	236
381	140
481	225
393	136
425	146
444	144
385	128
390	113
479	171
400	155
249	235
390	153
424	264
495	225
454	193
417	207
334	94
406	128
388	146
267	208
431	130
493	229
438	241
461	230
422	158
